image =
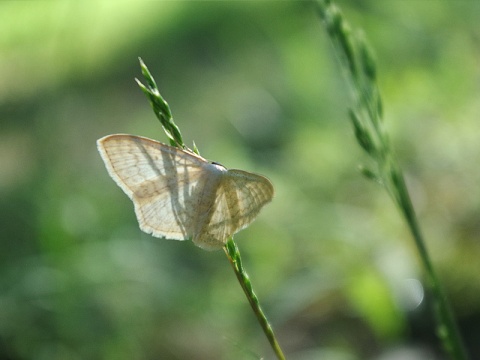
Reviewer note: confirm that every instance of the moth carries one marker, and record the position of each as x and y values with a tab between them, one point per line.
179	195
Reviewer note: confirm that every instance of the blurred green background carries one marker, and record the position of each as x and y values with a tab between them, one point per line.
257	87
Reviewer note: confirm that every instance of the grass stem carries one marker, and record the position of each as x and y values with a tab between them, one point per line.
366	114
164	114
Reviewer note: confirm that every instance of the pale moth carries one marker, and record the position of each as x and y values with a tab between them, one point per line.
179	195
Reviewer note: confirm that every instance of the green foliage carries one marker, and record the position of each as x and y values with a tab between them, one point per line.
160	108
255	85
366	117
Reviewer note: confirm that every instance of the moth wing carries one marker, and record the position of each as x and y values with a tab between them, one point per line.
247	193
159	179
239	198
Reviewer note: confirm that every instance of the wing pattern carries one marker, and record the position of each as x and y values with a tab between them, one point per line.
239	198
160	180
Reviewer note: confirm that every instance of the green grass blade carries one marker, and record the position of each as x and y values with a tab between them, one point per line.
366	115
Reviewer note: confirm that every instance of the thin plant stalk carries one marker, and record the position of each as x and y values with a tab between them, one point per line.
163	113
366	115
233	254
